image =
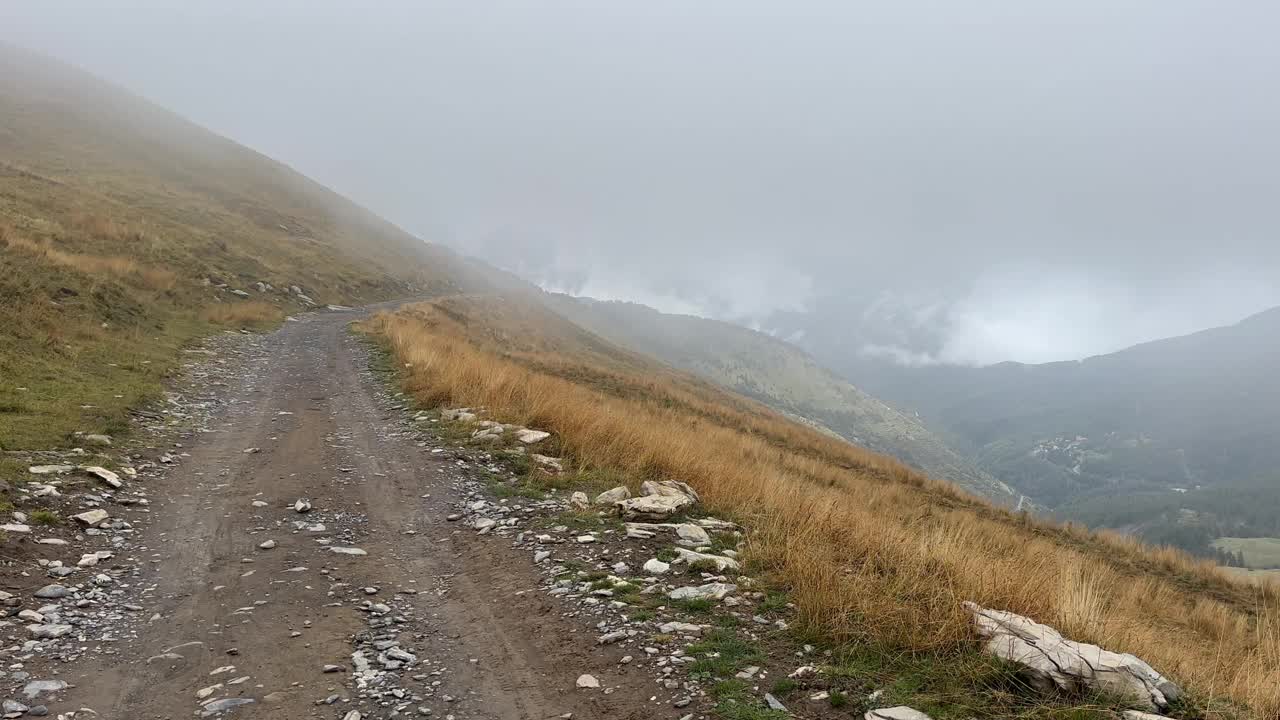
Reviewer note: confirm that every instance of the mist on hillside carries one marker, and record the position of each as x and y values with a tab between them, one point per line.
933	182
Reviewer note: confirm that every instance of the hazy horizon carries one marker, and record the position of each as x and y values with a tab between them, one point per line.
1026	183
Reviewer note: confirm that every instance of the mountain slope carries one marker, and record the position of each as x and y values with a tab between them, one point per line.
779	375
125	231
1124	439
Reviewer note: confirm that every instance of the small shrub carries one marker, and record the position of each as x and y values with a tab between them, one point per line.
44	517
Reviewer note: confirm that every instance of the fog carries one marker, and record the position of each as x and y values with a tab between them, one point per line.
1029	181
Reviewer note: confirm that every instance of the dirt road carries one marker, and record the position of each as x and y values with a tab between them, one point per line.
306	418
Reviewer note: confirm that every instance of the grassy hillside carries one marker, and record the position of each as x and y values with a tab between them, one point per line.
781	376
874	555
125	231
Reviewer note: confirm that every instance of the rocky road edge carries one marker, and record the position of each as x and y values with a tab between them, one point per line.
658	576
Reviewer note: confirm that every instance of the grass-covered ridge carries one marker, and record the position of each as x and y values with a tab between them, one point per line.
126	231
875	556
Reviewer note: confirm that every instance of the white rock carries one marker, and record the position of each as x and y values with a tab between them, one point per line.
680	628
588	681
16	528
654	566
722	563
105	475
529	437
692	535
266	544
1050	661
260	503
302	505
652	507
93	517
50	469
579	500
548	463
712	591
901	712
615	495
670	488
48	632
347	550
585	539
1139	715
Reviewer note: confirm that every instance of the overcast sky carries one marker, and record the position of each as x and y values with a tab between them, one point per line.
1052	179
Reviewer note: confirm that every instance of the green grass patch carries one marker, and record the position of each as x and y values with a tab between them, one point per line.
722	653
735	701
44	517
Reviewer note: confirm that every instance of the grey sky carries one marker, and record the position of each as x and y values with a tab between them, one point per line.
1051	179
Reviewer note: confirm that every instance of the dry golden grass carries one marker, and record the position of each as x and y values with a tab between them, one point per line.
252	313
153	278
872	552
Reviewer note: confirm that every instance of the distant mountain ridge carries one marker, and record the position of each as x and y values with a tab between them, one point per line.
1122	439
781	376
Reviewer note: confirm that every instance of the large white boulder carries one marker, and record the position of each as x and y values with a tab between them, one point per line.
652	507
657	501
1050	661
668	488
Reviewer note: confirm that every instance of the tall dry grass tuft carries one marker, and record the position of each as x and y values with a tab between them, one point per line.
871	551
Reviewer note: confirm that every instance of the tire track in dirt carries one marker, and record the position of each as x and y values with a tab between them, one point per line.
324	429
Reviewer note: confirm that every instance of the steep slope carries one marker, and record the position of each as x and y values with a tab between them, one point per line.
126	230
875	557
781	376
1128	439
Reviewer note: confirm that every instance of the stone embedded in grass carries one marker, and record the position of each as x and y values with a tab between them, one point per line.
50	469
710	591
615	495
721	563
901	712
657	501
95	439
530	437
550	464
579	501
692	535
1051	662
680	628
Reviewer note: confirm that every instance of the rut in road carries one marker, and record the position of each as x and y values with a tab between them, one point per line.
326	429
